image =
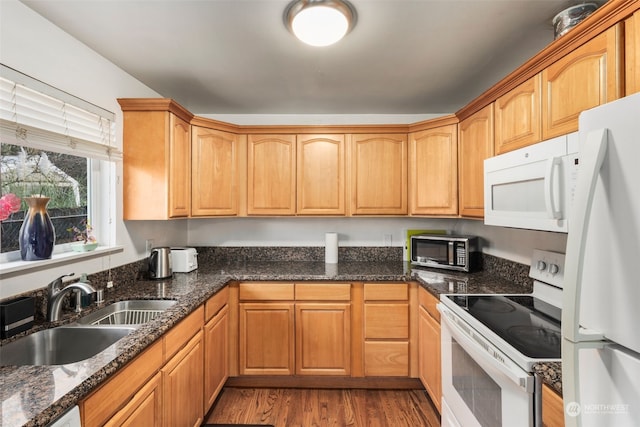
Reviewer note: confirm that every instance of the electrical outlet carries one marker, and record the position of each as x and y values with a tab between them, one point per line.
110	284
148	246
387	239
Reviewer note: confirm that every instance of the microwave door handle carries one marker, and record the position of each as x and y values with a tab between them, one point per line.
592	154
550	188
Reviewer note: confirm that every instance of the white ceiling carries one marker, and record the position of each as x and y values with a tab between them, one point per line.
236	56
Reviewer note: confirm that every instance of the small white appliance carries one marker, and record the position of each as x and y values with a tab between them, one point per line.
489	344
532	187
184	260
601	343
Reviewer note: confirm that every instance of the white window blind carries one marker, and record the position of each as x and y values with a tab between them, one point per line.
36	115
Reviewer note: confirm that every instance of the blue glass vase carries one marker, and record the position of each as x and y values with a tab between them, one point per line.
37	235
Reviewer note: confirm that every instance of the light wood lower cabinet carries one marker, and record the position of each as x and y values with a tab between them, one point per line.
386	329
552	408
267	338
165	385
182	382
288	329
216	355
144	408
429	347
116	394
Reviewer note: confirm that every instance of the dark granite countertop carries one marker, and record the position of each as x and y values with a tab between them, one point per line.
36	395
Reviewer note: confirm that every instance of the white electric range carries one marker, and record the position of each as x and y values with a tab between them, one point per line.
489	344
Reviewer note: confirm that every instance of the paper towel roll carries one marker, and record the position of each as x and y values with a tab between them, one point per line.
331	248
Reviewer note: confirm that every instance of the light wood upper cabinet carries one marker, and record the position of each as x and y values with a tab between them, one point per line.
517	116
433	171
475	143
378	174
589	76
632	53
321	175
217	168
156	159
271	175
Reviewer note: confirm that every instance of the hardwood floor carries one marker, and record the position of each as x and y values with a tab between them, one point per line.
288	407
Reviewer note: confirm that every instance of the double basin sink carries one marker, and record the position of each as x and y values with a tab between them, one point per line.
87	337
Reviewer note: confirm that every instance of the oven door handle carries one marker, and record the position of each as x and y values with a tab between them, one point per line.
481	350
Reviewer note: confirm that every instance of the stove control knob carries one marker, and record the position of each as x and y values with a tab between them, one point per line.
553	268
542	266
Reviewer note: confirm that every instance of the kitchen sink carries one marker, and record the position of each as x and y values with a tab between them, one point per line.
61	345
130	312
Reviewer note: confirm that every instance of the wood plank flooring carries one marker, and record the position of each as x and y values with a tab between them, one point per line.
289	407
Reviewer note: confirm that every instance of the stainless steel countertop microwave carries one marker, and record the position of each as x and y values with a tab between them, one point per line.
451	252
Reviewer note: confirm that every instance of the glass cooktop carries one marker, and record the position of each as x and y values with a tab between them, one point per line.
527	323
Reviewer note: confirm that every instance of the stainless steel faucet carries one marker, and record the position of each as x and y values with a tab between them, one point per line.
57	292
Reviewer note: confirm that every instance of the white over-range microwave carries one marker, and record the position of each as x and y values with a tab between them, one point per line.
532	187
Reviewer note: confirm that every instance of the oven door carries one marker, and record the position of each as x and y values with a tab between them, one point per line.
480	385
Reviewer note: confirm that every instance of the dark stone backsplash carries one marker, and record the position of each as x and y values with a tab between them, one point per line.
226	255
127	274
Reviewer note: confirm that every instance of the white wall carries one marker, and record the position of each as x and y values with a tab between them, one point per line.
512	244
32	45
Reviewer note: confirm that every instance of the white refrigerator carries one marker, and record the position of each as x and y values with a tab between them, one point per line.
601	297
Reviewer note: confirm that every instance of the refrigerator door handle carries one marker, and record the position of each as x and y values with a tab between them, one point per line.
592	154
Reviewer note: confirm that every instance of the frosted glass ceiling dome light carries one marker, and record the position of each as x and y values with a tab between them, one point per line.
320	22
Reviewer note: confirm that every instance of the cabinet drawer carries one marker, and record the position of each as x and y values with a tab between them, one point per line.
180	334
386	359
429	302
215	303
386	291
389	321
266	291
323	291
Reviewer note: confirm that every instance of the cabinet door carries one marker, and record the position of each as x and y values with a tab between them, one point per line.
429	356
216	174
266	339
144	408
323	339
379	174
216	356
433	171
179	167
271	175
475	144
589	76
632	53
321	181
517	115
552	408
182	381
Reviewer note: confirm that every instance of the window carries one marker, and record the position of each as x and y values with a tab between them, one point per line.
61	177
58	146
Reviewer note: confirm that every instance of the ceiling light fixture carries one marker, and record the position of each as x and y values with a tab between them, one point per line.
320	22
